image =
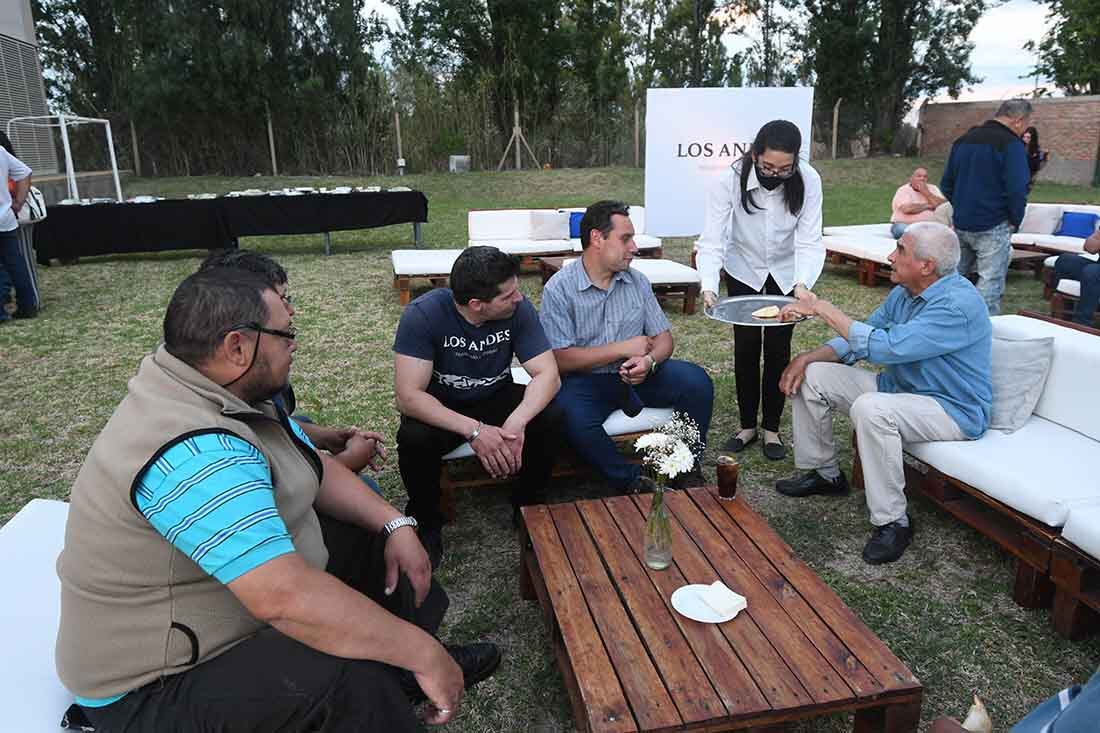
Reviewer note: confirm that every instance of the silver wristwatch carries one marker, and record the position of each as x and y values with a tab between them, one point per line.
395	524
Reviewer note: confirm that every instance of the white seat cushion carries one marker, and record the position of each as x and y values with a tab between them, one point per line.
616	424
875	249
526	246
1040	470
31	696
1074	245
1069	287
1070	397
1083	528
644	241
860	230
1049	261
661	272
414	262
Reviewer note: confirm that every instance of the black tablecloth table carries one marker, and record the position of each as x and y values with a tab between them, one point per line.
95	229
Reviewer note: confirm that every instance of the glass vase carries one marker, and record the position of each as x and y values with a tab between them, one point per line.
658	531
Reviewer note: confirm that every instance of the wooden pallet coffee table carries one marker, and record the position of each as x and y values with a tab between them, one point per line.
632	663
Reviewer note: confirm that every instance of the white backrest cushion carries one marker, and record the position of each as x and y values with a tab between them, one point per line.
1020	368
549	225
31	696
1084	208
1041	219
637	218
500	224
1070	397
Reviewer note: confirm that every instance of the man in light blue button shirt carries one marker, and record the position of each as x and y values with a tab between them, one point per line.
933	338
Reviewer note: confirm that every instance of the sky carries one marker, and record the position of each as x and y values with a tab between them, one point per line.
998	56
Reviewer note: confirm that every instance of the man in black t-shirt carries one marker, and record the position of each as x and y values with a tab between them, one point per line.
453	382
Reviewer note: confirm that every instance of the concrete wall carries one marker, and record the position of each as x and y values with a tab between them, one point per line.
1069	127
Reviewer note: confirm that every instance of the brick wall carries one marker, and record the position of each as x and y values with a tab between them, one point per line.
1069	127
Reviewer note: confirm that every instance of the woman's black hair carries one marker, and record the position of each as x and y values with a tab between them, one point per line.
783	136
1033	144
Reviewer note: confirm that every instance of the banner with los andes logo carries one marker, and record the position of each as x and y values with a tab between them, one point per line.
691	135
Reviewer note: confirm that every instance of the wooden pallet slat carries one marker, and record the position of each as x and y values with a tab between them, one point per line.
645	692
599	703
805	661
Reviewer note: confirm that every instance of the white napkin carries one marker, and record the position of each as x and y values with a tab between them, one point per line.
722	600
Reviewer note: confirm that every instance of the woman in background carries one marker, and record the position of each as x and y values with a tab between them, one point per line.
1036	158
762	234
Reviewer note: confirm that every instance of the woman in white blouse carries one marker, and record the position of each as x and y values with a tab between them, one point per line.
762	235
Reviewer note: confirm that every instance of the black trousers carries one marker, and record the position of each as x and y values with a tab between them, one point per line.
421	447
273	683
747	341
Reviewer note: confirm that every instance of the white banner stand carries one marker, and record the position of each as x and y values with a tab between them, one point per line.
691	135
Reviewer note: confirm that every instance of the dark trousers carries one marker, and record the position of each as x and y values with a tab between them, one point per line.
1087	272
747	341
17	270
588	399
273	683
421	447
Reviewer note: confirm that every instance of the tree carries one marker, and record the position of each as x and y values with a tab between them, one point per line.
884	54
687	49
1069	53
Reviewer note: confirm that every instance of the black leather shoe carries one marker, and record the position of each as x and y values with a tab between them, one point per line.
432	539
811	483
775	451
477	661
888	543
642	485
736	445
25	313
688	480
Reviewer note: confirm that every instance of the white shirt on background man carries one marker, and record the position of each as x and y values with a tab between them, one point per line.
770	240
15	169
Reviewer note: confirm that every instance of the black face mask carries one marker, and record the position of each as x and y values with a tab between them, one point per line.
769	182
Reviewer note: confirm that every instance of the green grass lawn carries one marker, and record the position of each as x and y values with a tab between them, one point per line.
945	609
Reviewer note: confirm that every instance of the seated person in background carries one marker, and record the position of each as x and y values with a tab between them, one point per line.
917	200
613	345
453	383
219	573
1085	271
357	449
933	336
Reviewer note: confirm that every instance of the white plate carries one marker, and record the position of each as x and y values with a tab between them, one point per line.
689	603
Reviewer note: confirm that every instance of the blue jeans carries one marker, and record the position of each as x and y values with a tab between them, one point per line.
15	269
990	253
897	229
588	399
1073	267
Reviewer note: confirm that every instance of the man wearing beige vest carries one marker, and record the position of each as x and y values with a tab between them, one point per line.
219	573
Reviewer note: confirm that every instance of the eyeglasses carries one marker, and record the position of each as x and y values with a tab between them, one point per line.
291	335
770	172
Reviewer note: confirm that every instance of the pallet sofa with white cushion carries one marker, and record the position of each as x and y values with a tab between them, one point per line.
433	265
1064	293
867	246
669	279
461	468
1041	221
534	233
32	698
1020	488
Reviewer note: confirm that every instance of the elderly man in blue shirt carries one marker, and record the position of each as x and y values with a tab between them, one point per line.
933	338
613	346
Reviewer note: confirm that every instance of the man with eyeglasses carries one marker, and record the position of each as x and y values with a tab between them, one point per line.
219	573
355	448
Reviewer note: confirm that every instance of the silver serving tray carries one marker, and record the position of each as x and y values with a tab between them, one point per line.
738	310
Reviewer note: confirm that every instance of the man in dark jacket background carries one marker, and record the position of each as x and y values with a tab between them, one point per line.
986	182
